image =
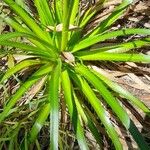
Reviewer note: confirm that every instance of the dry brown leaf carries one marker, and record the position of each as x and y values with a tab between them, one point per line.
139	82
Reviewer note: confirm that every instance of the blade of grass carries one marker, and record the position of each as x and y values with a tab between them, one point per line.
102	37
44	12
27	48
42	116
111	101
54	85
117	57
28	20
88	121
114	104
117	13
35	77
21	65
98	108
118	47
115	87
66	85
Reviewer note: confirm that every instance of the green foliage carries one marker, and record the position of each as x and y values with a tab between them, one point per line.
61	54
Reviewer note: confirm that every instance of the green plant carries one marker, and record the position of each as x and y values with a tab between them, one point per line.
62	55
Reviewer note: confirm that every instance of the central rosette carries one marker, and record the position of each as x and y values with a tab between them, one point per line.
68	57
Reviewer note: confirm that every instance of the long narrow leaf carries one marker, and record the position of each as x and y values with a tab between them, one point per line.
54	85
44	12
123	92
88	121
66	84
112	102
35	77
90	13
117	57
27	48
27	19
99	109
18	27
117	13
43	115
11	35
74	12
65	21
118	47
21	65
102	37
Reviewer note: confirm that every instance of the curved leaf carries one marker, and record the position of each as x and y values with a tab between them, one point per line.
68	93
21	65
53	97
117	47
28	48
117	13
102	37
88	121
99	109
116	57
42	116
35	77
28	20
115	87
111	101
114	104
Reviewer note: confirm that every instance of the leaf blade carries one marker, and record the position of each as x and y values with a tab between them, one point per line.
53	98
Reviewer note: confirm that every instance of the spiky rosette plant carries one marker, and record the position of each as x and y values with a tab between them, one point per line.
61	56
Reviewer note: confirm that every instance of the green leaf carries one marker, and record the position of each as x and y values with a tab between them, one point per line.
27	19
65	22
58	11
54	85
138	137
114	104
28	48
116	57
68	93
88	121
42	116
117	13
8	36
111	101
88	14
44	12
21	65
74	12
18	27
118	47
50	48
102	37
124	47
115	87
99	109
24	87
